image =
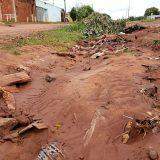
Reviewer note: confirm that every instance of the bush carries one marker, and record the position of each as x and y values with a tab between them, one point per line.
97	24
150	11
84	12
136	18
77	27
119	25
73	14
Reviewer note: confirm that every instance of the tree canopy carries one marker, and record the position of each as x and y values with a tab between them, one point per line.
150	11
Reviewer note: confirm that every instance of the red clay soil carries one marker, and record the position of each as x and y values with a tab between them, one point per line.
84	109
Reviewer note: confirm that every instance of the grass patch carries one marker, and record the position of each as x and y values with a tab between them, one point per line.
60	40
11	49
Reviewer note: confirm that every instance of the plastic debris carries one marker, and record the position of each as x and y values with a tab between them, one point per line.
50	152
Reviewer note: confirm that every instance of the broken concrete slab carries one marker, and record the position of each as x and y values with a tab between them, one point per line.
13	79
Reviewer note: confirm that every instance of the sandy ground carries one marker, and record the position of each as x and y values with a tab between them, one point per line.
25	29
88	105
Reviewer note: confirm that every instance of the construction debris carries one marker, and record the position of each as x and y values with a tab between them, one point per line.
135	127
133	28
14	79
50	152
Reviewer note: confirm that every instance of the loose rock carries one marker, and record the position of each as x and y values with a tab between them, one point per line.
50	77
153	155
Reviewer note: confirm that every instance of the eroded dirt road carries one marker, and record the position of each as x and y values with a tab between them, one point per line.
84	106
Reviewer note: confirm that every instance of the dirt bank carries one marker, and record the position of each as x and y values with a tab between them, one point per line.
84	107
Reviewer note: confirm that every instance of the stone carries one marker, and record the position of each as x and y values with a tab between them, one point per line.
153	155
50	77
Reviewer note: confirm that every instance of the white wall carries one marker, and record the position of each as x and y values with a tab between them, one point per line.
54	13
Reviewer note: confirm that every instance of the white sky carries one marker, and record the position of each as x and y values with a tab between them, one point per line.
115	8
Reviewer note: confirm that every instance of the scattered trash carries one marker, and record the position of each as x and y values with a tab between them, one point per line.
154	58
14	79
150	90
150	68
153	155
50	77
135	127
50	152
87	69
22	68
150	79
97	55
133	28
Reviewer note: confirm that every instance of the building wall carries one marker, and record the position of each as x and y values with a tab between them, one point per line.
6	8
24	9
52	14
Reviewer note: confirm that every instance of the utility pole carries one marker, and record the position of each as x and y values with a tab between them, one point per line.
129	7
0	11
65	10
14	10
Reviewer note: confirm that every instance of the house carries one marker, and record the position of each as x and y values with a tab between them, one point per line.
154	17
30	11
48	12
17	10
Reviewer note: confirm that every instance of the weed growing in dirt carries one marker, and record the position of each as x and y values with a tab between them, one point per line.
156	42
60	40
11	49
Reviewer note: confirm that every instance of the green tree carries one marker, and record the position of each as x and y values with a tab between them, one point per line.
150	11
73	14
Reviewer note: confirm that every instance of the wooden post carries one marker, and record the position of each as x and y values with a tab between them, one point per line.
32	18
